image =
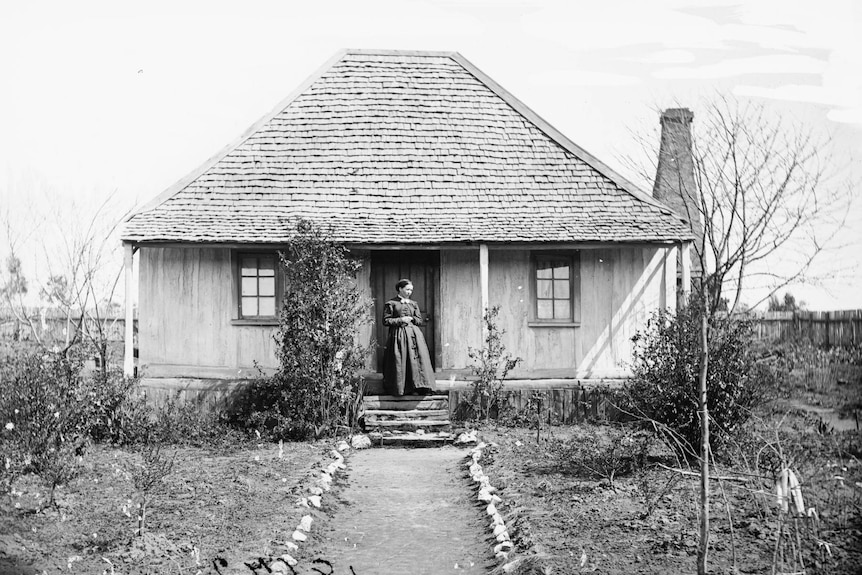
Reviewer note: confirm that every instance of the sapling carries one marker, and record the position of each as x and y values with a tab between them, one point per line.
148	479
491	366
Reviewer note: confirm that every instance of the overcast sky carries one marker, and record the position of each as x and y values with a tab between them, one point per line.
104	96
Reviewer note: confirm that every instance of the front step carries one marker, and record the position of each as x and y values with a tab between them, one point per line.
410	439
407	419
392	414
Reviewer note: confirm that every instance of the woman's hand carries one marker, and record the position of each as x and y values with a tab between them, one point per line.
407	319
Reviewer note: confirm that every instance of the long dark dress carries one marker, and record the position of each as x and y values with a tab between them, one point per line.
407	365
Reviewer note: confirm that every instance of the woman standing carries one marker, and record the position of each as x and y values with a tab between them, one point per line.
406	363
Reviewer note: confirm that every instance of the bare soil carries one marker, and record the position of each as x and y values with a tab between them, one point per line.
647	521
216	511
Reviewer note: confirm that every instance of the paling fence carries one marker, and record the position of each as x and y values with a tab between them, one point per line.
52	328
823	328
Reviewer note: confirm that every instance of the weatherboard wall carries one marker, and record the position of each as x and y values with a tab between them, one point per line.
187	307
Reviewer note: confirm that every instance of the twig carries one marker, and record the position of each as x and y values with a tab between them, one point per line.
696	474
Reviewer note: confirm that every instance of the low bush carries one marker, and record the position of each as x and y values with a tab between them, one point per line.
51	409
664	387
45	415
601	451
491	364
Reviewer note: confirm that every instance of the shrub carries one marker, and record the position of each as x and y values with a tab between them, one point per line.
316	388
45	415
118	414
665	377
601	451
491	366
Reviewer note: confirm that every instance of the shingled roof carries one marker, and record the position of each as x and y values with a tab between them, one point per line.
391	147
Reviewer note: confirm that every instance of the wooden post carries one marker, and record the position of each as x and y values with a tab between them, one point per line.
129	352
483	281
685	288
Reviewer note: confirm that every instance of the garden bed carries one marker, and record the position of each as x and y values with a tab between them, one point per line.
216	510
646	521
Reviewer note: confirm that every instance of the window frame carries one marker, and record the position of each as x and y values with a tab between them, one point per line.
238	317
572	258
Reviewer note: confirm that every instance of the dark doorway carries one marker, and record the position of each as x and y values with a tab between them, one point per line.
420	267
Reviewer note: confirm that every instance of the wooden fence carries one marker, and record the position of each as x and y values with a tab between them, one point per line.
559	404
54	327
827	328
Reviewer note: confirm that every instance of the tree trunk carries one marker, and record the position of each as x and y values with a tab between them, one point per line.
703	546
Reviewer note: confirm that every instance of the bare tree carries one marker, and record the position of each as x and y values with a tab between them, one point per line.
77	254
766	193
758	195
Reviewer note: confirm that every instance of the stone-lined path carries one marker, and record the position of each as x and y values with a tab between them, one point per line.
406	512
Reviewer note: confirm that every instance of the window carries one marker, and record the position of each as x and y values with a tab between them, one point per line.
556	284
257	286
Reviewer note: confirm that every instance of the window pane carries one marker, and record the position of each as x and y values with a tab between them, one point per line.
544	309
249	286
561	271
267	306
561	289
267	286
249	306
562	309
543	289
249	266
267	266
544	270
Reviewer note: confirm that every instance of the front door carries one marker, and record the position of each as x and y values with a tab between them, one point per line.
420	267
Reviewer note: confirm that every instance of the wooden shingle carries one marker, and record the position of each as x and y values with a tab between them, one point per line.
404	148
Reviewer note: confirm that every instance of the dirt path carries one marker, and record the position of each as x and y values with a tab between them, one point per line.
406	511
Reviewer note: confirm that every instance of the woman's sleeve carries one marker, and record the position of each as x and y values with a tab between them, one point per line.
417	315
389	317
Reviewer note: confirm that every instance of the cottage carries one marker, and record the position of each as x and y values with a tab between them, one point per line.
428	169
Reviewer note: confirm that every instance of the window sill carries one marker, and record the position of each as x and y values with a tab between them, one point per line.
264	321
553	324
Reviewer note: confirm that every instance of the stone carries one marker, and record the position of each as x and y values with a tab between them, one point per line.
491	510
299	536
512	566
504	546
466	437
305	523
504	536
315	490
289	560
291	545
360	442
342	446
314	500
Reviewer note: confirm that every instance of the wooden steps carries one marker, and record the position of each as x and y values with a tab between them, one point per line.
410	420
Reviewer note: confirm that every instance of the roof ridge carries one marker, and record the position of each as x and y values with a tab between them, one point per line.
389	52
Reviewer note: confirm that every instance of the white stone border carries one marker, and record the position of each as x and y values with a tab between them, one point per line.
321	485
486	495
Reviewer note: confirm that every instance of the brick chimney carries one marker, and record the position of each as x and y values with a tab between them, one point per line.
675	185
